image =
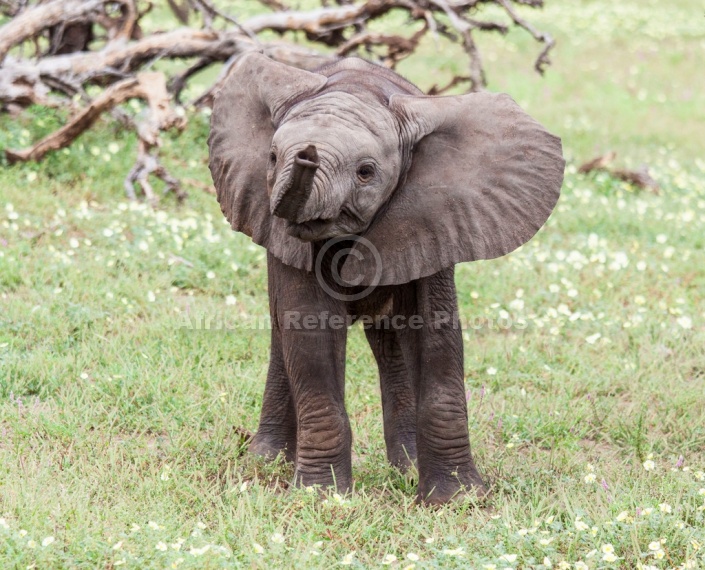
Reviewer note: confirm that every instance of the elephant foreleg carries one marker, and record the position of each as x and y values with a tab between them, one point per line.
398	398
315	361
277	424
434	354
313	334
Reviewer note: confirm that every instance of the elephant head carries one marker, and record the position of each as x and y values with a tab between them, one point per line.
299	157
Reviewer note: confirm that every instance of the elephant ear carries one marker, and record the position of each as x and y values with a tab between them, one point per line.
484	178
246	113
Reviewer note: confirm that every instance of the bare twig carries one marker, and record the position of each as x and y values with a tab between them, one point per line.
210	12
398	47
274	5
542	60
11	8
177	83
436	90
477	72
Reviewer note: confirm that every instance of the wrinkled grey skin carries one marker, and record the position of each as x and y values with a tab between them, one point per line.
345	199
355	150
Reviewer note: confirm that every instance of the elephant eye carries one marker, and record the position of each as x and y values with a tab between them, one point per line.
365	172
272	158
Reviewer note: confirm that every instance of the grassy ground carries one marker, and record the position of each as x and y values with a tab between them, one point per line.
118	411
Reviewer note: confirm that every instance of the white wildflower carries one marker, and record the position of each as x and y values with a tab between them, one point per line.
580	525
593	338
454	551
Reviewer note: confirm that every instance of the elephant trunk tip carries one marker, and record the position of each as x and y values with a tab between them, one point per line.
308	158
297	189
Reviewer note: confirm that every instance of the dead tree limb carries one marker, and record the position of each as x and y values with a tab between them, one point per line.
436	90
29	23
542	60
177	83
114	95
161	117
398	47
129	57
477	71
639	178
148	86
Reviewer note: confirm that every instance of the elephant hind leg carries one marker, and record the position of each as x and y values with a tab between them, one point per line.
398	397
277	426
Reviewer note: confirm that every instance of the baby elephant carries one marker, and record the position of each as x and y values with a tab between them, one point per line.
365	194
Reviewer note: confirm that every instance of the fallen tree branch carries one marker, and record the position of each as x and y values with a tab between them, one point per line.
598	163
148	86
127	58
320	20
119	58
398	47
177	84
477	71
161	117
20	85
639	178
28	23
114	95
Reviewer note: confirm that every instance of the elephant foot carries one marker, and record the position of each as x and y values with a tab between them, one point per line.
323	454
403	457
443	490
270	446
338	482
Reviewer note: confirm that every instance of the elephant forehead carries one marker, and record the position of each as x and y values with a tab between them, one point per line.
342	110
332	134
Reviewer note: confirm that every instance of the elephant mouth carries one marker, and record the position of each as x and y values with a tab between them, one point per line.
310	230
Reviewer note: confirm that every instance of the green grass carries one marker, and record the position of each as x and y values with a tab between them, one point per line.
116	410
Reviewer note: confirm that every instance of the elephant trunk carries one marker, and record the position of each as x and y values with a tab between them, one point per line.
297	189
